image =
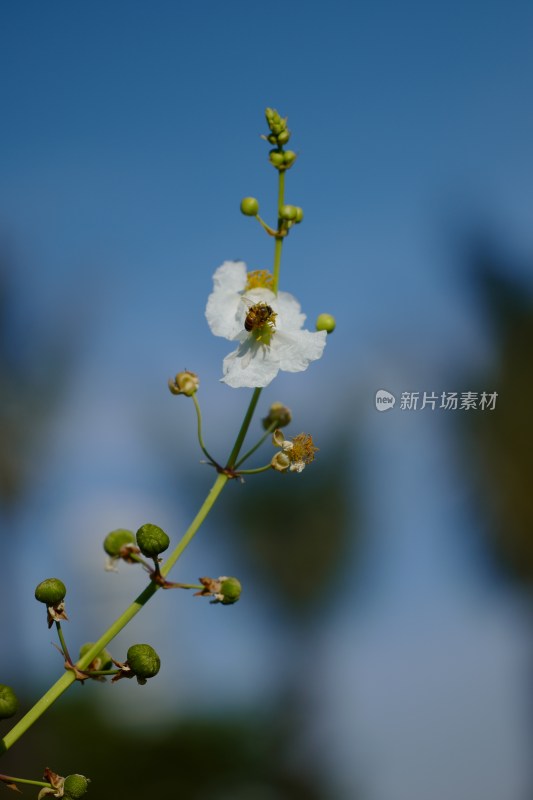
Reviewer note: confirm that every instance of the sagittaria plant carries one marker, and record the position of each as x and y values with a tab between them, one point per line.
266	326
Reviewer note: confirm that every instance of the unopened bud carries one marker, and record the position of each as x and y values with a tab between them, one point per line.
8	702
325	322
278	415
186	383
288	212
249	206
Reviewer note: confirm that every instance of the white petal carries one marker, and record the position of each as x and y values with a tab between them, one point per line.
224	306
288	309
296	350
249	365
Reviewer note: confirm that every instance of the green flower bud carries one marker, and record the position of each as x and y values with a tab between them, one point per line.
75	786
230	591
152	540
249	206
51	591
272	139
288	212
276	158
278	414
289	157
284	136
8	702
102	660
325	322
143	661
116	540
299	214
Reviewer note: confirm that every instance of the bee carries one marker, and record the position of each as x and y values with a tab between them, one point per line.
259	315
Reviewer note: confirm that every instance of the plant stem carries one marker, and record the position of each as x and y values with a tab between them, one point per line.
244	429
247	455
200	437
278	246
11	779
63	643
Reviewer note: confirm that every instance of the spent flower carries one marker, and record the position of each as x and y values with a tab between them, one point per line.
295	453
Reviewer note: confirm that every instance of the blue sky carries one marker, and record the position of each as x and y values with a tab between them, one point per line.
130	132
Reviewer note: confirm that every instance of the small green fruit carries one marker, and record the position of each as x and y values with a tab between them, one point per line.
325	322
249	206
115	541
8	702
152	540
75	786
284	136
299	214
289	157
143	661
51	591
102	660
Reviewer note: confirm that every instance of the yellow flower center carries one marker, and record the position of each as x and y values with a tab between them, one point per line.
259	279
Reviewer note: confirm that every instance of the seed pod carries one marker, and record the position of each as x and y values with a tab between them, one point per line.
8	702
75	786
152	540
143	661
51	591
115	541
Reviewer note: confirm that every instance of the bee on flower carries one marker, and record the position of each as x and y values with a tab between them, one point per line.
268	327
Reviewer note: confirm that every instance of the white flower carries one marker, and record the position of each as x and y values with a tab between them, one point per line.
273	338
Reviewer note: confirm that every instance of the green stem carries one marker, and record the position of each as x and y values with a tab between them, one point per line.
68	678
200	437
278	246
11	779
267	433
255	471
63	643
244	429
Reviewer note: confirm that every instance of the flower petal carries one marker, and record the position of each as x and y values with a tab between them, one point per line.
223	310
250	365
295	350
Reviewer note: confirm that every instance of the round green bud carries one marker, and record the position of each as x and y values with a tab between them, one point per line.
299	214
151	540
102	660
51	591
230	589
8	702
75	786
249	206
284	136
143	661
325	322
115	541
289	157
288	212
276	158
